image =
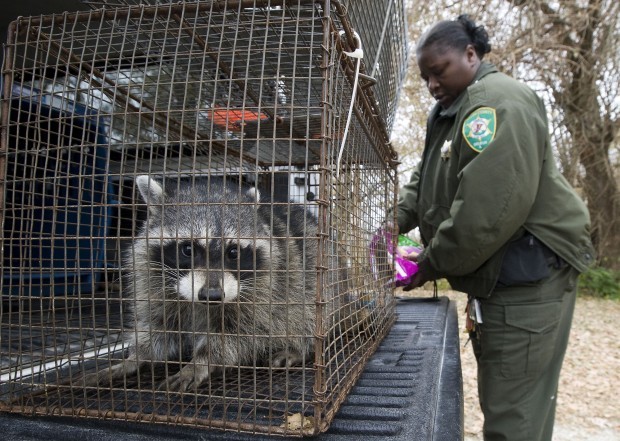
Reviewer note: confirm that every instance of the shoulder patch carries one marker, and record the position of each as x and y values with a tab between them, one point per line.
479	128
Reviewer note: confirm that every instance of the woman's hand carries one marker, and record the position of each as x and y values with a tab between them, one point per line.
422	276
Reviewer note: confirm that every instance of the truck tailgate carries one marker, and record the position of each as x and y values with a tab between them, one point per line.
411	389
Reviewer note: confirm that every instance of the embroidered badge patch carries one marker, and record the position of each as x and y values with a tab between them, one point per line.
479	128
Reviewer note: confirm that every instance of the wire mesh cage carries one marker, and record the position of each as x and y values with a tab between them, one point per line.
189	192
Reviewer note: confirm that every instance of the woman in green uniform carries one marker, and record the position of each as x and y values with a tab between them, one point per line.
500	223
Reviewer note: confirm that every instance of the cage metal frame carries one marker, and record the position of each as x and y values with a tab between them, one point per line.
370	124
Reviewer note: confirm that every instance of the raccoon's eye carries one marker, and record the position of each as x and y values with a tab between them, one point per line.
232	253
185	249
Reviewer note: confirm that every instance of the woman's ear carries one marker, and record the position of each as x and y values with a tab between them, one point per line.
472	55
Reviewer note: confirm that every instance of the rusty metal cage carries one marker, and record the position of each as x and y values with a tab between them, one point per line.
193	188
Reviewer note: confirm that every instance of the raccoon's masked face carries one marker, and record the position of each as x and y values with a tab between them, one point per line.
209	272
218	269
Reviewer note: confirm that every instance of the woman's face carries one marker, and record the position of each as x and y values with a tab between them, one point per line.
447	71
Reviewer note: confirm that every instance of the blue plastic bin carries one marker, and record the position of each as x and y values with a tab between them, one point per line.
56	208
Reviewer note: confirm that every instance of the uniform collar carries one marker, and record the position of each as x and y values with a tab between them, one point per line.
484	70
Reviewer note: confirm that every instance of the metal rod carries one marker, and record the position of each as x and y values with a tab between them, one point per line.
7	67
386	21
152	11
320	388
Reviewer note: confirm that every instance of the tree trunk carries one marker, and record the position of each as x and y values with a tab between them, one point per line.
603	198
593	133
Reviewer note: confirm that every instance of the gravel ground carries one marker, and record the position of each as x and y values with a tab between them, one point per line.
588	402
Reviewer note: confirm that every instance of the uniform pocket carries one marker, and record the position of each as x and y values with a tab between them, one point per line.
529	337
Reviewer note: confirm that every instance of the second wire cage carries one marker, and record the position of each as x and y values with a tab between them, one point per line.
189	195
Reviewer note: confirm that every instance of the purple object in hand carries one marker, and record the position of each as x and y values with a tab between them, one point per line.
404	269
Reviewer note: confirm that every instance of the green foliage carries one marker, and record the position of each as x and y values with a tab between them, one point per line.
600	282
443	285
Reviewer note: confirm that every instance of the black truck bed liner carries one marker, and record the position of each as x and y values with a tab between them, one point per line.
411	389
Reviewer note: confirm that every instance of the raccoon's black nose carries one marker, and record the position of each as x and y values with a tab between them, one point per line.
206	294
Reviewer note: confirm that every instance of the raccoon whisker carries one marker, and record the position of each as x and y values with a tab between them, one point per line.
156	273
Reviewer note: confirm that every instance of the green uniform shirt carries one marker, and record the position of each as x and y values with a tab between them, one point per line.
487	173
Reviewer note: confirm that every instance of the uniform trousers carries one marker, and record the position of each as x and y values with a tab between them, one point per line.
519	349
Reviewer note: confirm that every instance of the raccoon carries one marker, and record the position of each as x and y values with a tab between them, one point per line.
218	278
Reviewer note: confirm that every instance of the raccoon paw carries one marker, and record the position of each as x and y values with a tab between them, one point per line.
287	358
188	378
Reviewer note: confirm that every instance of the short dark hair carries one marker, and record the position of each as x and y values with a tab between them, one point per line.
457	34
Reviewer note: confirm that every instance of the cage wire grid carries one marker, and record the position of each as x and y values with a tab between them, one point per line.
218	96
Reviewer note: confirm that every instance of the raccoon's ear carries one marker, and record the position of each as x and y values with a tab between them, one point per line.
151	191
253	193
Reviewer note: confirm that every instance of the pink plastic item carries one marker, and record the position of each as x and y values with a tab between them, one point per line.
404	269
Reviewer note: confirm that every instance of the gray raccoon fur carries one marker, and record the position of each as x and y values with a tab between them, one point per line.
218	279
